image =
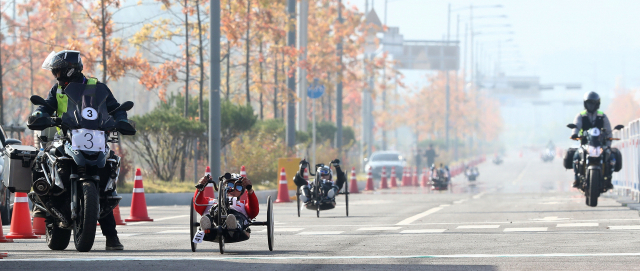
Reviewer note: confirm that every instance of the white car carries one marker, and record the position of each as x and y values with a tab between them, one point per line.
387	159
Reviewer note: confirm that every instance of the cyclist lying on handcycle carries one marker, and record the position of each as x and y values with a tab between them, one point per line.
329	188
240	213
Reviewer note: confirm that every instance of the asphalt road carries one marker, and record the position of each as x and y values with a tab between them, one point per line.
521	215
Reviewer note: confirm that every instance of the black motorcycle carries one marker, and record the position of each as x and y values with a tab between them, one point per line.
75	172
597	162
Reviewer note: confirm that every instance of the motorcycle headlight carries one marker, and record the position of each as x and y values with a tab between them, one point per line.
594	151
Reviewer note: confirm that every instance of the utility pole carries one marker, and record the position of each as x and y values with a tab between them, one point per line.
446	70
339	86
384	86
291	80
303	19
214	88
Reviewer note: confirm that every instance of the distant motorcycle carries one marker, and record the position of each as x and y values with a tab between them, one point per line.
548	155
596	160
497	160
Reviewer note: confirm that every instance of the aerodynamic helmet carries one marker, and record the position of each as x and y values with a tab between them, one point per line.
325	171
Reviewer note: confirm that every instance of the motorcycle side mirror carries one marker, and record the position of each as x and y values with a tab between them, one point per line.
572	126
11	141
37	100
618	127
126	106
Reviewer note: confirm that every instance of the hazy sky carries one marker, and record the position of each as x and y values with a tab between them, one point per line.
588	42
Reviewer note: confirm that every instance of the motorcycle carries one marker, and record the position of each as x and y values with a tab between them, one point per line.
497	160
548	155
596	162
75	171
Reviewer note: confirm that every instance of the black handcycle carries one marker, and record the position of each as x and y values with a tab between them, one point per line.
224	235
318	202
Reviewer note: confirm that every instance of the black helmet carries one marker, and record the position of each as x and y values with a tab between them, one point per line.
591	102
67	63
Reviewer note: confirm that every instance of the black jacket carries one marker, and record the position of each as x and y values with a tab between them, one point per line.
112	103
341	178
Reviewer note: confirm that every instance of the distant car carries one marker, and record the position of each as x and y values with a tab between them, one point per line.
5	194
387	159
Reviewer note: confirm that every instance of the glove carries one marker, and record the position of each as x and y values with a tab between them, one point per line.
335	162
124	127
574	136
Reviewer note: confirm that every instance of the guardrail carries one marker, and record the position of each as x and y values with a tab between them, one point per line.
627	182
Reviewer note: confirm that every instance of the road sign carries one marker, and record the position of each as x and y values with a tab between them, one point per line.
315	91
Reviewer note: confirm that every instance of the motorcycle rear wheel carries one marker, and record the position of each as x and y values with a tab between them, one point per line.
84	229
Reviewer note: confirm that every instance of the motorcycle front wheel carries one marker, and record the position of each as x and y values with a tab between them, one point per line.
594	187
84	229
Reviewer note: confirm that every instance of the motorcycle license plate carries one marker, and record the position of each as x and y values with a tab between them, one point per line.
87	140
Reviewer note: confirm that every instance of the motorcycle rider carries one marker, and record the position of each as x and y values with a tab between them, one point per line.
330	188
591	117
66	66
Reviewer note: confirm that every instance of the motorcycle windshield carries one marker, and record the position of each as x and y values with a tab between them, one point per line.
87	108
594	137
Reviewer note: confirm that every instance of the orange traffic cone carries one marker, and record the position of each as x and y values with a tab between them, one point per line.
414	180
283	189
138	202
353	186
425	173
244	197
403	182
116	215
39	227
2	239
208	190
383	179
21	220
394	183
369	186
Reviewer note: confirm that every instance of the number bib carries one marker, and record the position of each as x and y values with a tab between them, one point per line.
87	140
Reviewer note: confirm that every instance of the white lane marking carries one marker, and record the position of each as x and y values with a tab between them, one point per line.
120	259
525	229
423	231
460	201
284	230
632	227
478	227
176	231
320	232
551	218
379	229
156	219
478	195
563	225
409	220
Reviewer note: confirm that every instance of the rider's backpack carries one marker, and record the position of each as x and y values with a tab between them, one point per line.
568	158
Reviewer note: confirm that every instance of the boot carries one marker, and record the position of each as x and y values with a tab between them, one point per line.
576	182
607	184
113	243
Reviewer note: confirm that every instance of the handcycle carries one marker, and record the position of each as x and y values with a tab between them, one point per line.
318	202
224	235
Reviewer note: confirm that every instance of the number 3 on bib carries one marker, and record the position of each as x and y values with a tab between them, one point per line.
89	113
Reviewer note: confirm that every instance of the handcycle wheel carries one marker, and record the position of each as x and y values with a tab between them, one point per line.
221	241
318	210
193	227
346	196
297	199
270	235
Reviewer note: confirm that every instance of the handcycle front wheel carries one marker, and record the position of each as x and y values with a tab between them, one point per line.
346	196
270	235
193	226
297	199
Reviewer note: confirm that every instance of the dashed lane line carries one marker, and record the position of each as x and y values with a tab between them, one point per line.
631	227
423	231
379	229
533	229
564	225
478	227
320	232
411	219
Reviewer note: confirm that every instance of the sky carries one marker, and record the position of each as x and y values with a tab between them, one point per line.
594	43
